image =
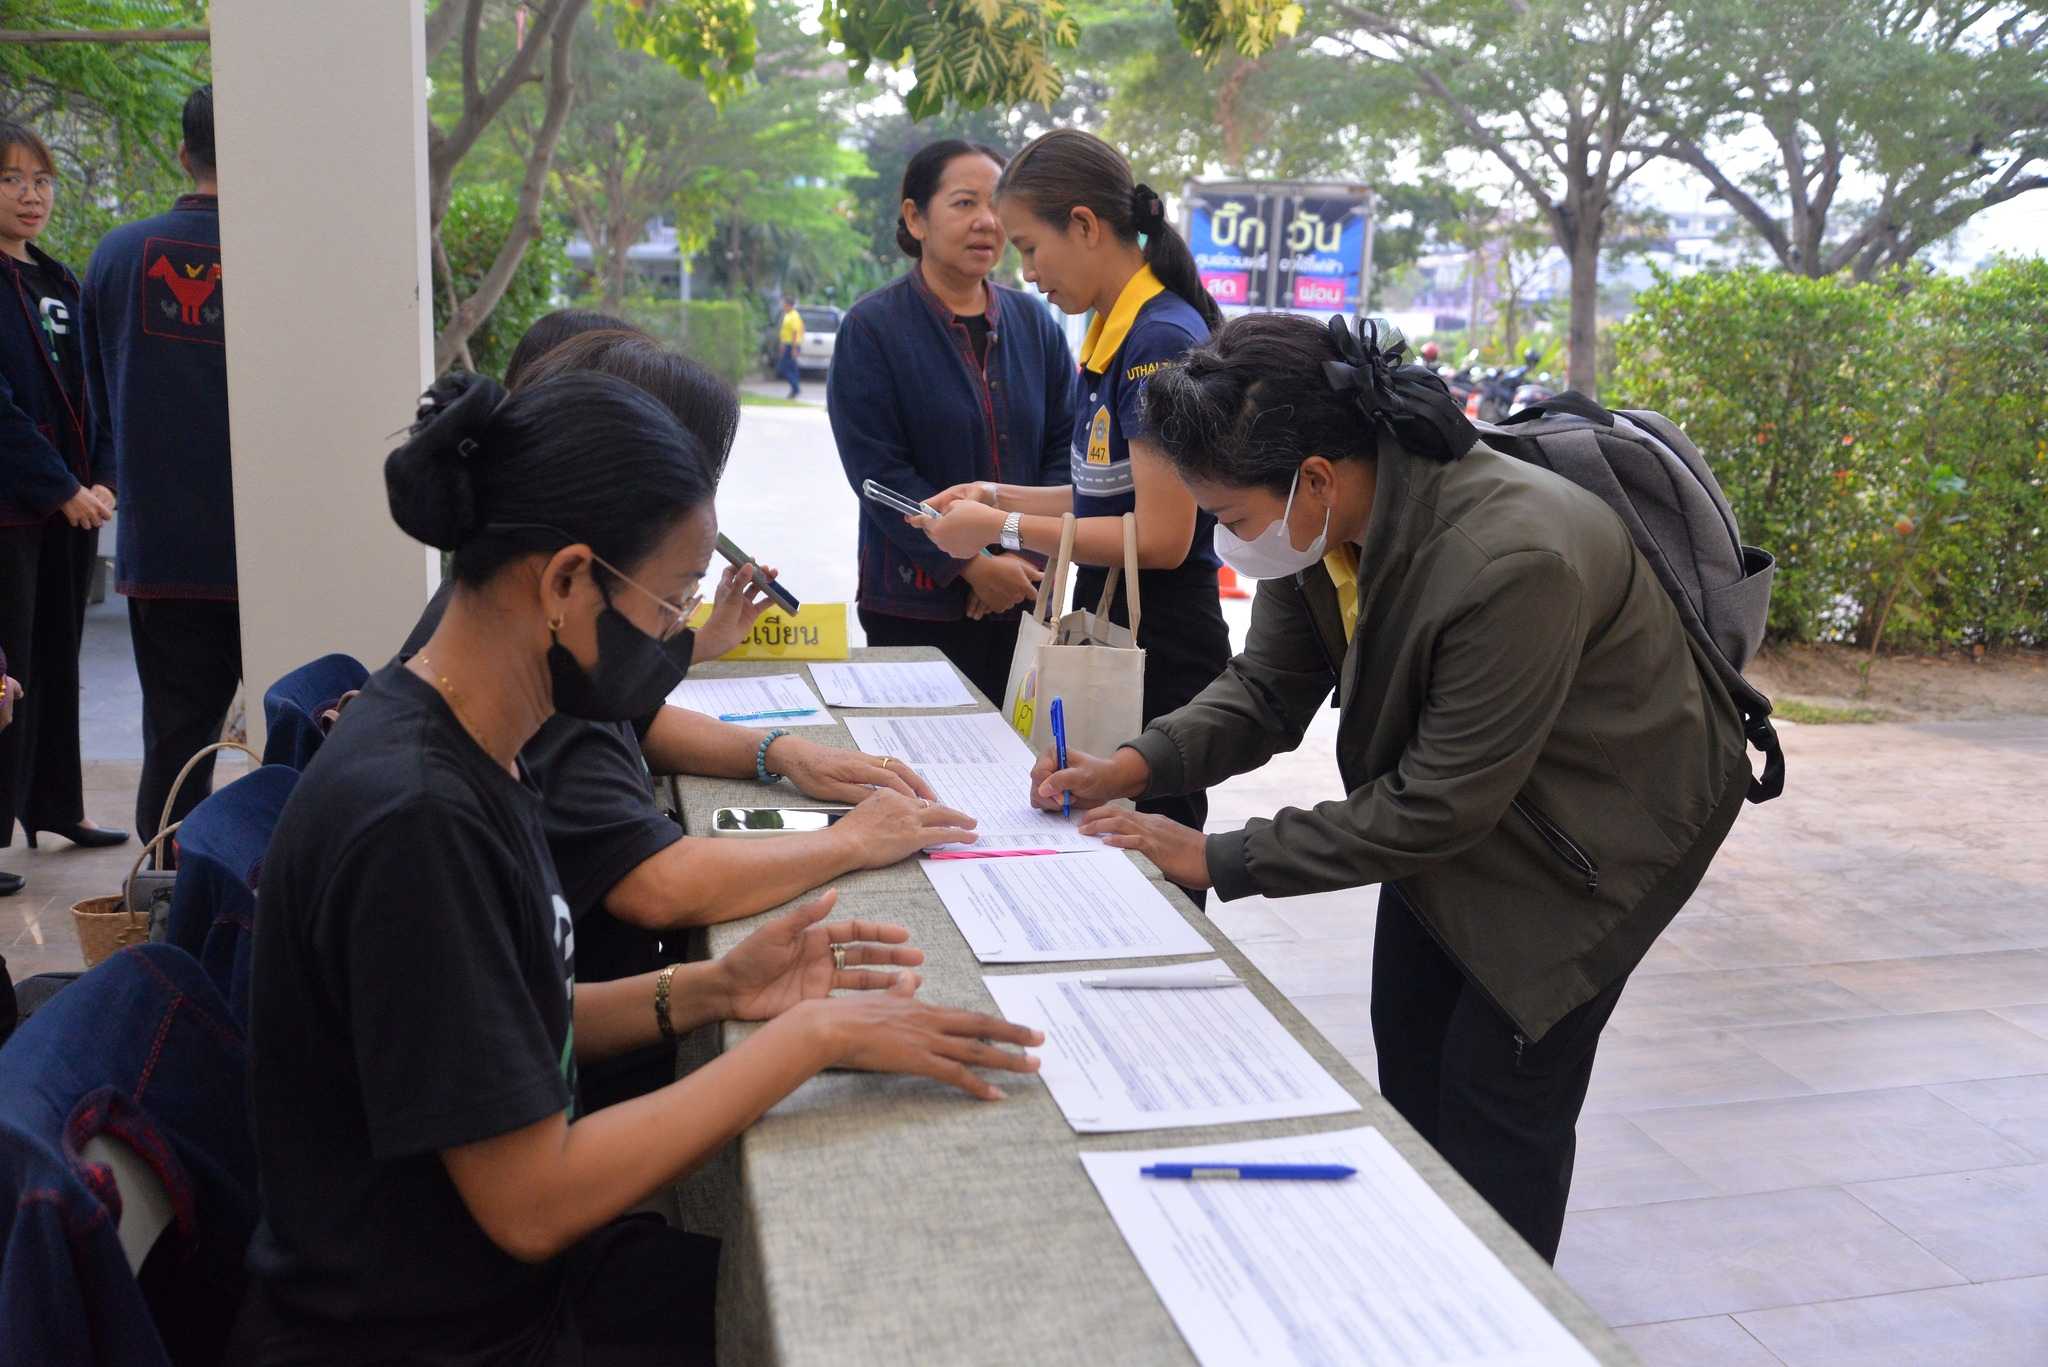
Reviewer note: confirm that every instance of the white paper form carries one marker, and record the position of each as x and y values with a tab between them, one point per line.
976	738
879	683
1164	1059
1067	906
743	697
1372	1269
977	765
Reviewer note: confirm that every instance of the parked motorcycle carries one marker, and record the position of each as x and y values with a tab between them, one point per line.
1540	389
1496	398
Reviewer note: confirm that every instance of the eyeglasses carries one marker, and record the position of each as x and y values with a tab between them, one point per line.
674	616
16	185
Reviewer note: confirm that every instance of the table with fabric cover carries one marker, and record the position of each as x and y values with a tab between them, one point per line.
871	1218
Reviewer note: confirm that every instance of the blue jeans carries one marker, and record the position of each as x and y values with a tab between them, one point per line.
786	369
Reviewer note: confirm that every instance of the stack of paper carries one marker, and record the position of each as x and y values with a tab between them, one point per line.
1370	1269
1153	1059
1094	905
975	765
910	683
762	700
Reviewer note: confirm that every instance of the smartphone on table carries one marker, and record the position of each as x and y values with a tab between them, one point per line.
755	822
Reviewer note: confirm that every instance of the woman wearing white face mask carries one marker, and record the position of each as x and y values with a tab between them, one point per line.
1539	762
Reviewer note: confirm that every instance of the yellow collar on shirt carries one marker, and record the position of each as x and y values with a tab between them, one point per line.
1342	563
1106	334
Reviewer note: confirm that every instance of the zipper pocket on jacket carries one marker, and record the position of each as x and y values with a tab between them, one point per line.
1563	845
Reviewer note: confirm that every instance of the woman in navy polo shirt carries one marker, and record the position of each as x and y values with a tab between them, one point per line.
942	377
1092	240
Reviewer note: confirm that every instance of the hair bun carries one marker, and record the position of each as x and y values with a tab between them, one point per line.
431	479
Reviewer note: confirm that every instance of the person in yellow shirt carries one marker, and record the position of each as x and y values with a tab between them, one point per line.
792	337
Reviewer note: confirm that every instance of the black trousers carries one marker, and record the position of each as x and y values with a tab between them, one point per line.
188	654
45	574
980	650
1502	1111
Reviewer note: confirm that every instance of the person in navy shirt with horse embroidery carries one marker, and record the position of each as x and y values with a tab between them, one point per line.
1092	239
157	368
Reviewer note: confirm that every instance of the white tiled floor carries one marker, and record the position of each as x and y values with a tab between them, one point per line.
1818	1129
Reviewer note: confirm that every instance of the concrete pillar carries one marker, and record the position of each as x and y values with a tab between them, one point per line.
320	127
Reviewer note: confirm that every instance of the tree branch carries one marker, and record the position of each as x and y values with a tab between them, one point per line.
446	151
472	312
441	25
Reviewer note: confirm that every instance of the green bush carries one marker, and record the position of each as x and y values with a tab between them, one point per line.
478	222
714	333
1887	441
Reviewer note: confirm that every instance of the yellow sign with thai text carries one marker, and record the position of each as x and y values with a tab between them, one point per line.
817	631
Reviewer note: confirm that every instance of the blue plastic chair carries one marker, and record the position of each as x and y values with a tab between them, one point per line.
220	857
291	709
134	1068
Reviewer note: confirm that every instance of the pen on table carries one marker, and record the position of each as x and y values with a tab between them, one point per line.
1059	740
772	714
1164	978
983	854
1251	1172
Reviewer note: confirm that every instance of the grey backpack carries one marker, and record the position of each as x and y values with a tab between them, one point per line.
1651	474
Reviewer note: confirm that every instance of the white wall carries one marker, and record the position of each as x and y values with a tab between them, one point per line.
320	127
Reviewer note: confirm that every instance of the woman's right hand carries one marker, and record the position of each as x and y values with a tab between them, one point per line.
887	827
1001	582
10	694
974	491
86	511
1091	781
893	1032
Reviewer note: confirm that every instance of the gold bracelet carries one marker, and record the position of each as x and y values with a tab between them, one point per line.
661	985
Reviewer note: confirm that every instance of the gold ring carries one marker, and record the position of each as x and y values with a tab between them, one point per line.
839	958
887	760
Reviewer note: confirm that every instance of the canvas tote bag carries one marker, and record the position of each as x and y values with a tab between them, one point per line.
1093	665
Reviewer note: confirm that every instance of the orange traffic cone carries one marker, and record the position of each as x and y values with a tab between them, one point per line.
1226	584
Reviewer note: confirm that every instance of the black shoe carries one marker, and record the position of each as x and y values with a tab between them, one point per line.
87	837
11	883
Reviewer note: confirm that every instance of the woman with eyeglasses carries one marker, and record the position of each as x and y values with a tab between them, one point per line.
431	1192
54	498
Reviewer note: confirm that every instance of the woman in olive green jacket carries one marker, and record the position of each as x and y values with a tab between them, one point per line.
1539	762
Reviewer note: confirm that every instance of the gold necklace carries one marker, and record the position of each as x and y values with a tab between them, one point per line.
455	704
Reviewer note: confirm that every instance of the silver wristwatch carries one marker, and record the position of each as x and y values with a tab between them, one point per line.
1013	532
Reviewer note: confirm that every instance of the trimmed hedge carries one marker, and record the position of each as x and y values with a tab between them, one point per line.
1887	441
714	333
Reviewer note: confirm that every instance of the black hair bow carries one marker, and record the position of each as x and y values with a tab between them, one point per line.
1148	210
1410	403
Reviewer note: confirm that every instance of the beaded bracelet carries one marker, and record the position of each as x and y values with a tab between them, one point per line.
761	756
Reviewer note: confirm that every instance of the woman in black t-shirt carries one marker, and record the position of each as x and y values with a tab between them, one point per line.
429	1191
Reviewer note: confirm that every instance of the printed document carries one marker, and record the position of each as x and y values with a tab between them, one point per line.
1153	1059
1371	1269
909	683
1094	905
976	765
747	696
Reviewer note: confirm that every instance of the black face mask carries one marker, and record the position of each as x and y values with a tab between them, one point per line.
634	674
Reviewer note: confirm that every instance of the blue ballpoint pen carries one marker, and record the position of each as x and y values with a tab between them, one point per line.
1059	741
775	714
1271	1172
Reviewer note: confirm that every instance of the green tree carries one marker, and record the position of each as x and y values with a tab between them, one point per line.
1557	92
1942	107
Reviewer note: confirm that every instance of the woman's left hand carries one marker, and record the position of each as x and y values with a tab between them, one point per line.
1180	851
739	604
830	774
790	960
963	529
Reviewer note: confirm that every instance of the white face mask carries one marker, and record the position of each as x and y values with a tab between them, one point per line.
1271	554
